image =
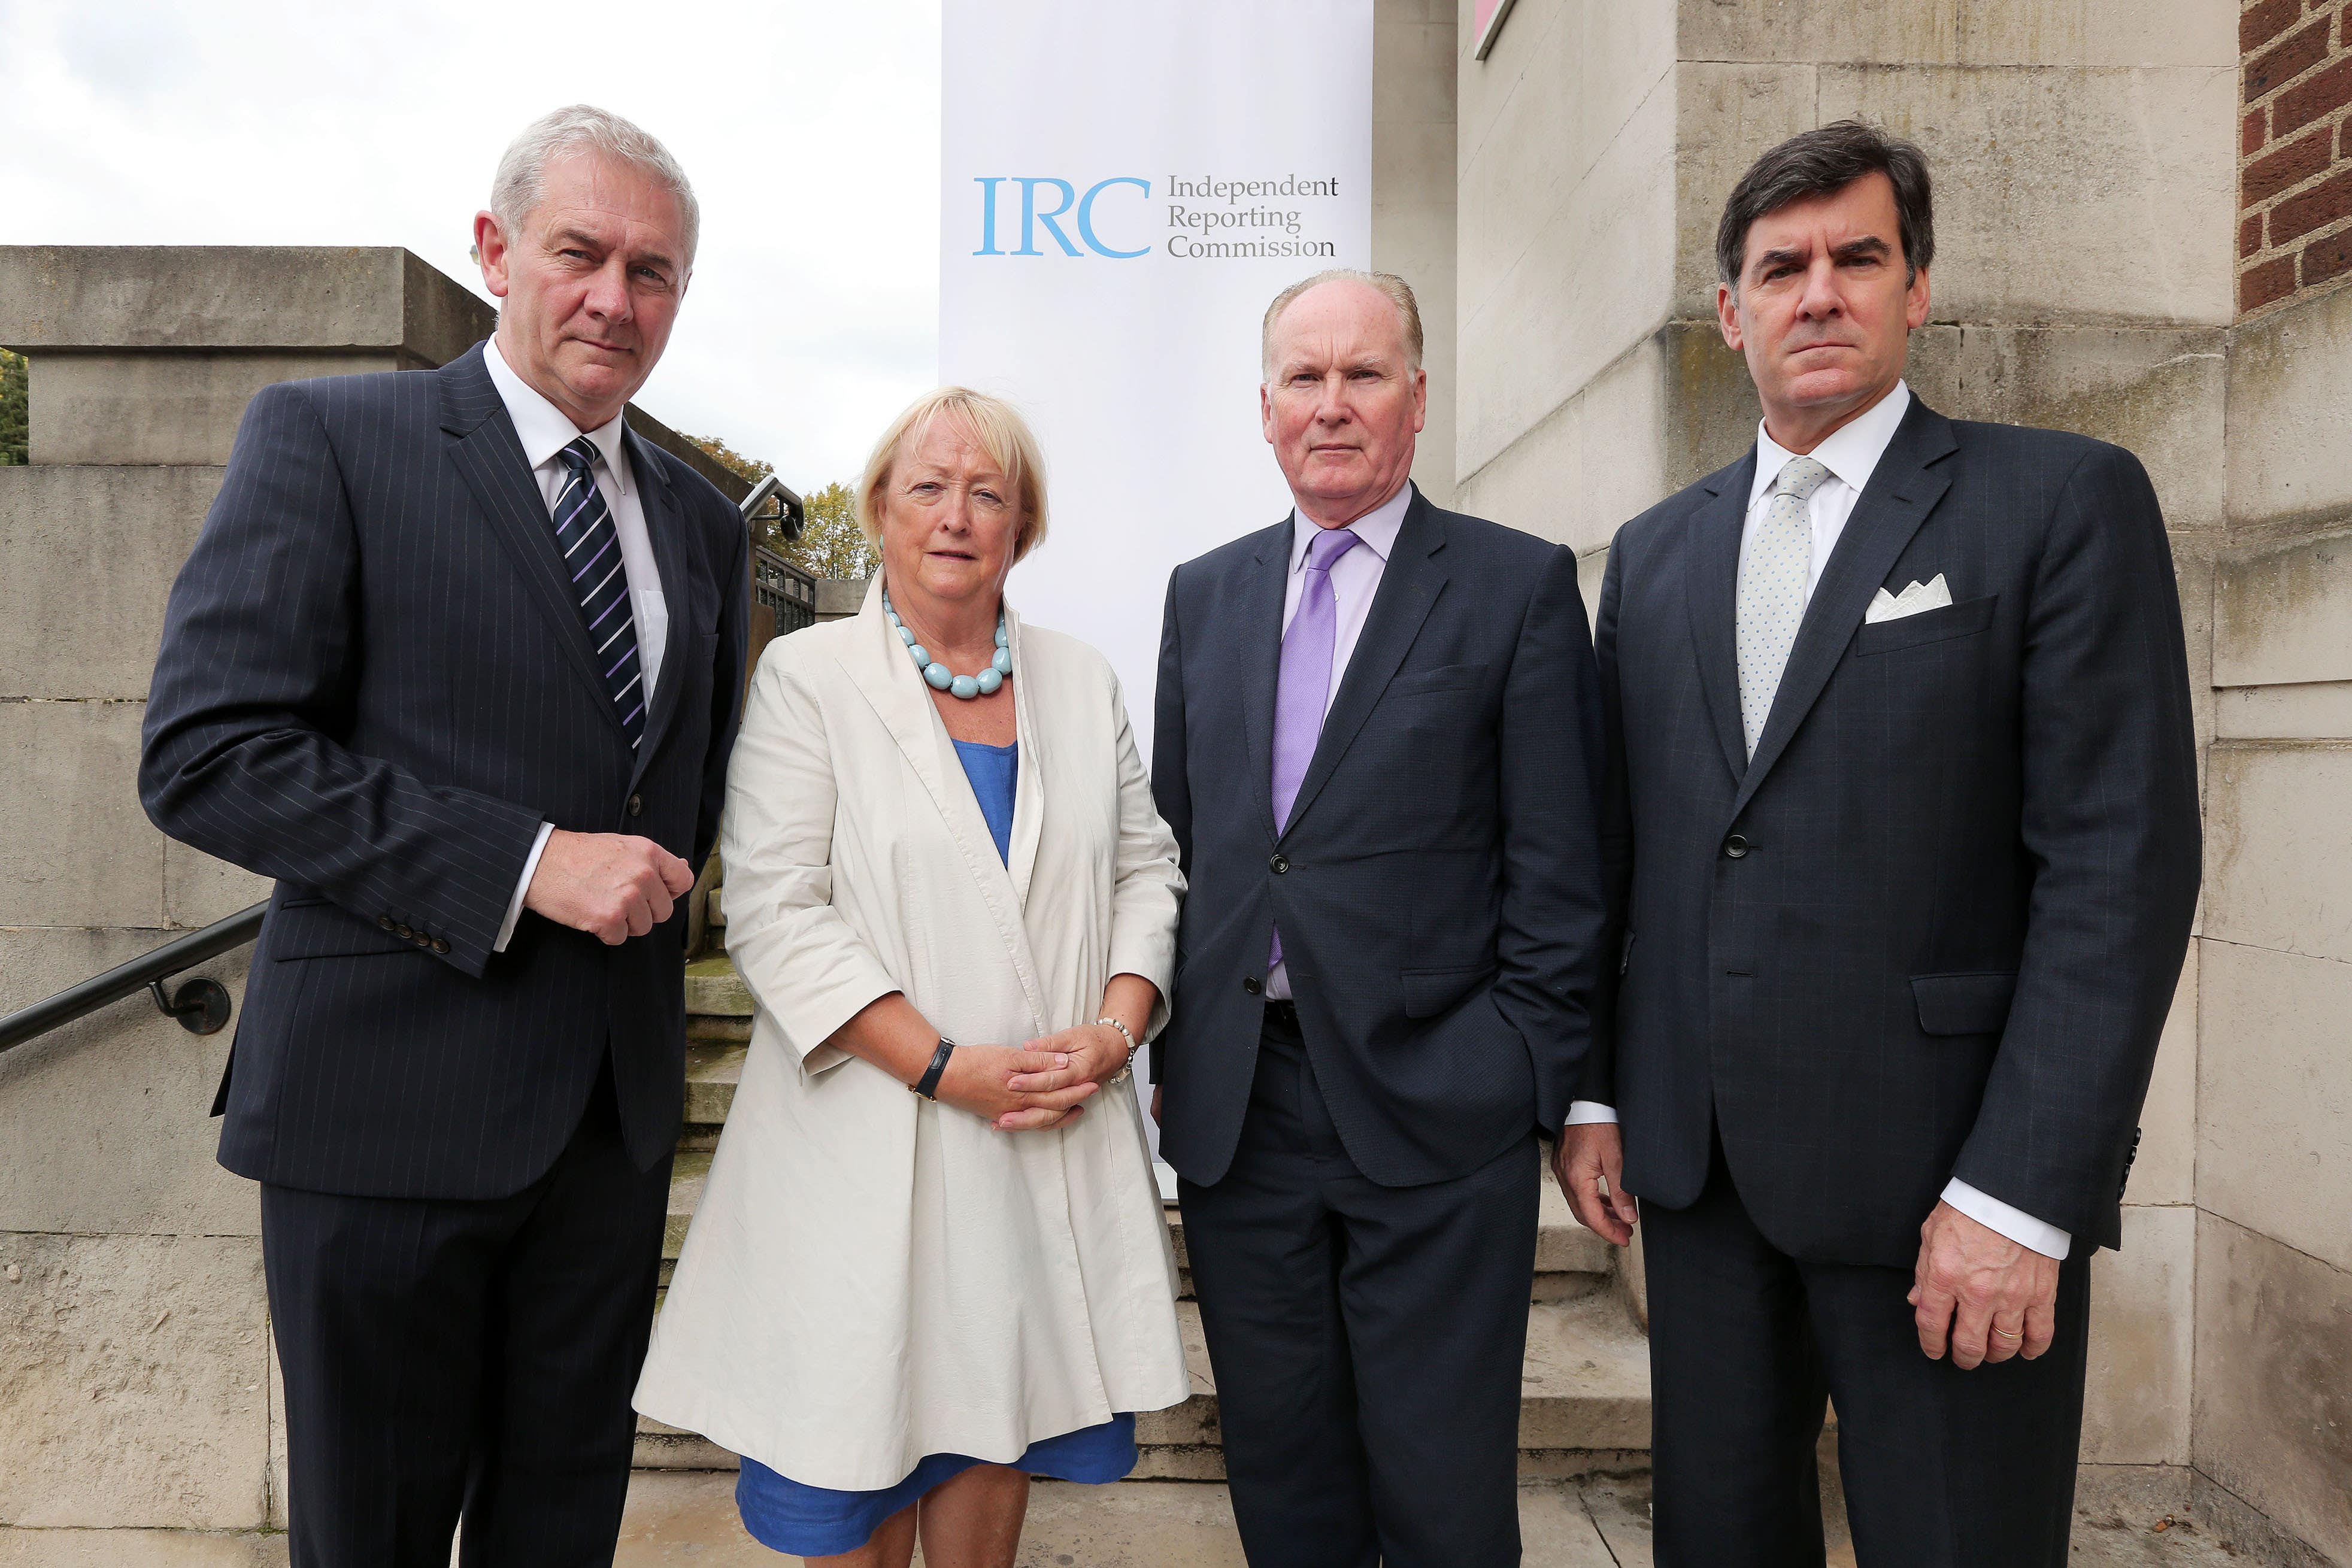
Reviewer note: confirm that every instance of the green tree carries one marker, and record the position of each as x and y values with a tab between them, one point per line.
13	371
831	544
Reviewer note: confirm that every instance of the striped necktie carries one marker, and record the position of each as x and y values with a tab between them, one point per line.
592	560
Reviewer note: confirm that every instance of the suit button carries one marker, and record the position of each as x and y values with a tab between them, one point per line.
1279	864
385	921
423	940
1735	848
403	933
1253	985
440	946
637	805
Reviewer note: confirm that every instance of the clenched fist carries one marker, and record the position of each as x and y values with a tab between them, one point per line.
611	885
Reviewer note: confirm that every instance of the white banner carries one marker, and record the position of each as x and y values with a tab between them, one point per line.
1124	186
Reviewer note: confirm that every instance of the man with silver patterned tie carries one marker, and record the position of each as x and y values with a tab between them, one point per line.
1903	846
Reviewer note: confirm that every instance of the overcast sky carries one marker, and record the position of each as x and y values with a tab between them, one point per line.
810	128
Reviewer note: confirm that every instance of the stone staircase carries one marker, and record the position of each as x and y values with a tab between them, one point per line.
1584	1410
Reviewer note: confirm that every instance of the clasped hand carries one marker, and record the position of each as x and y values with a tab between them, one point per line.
1042	1084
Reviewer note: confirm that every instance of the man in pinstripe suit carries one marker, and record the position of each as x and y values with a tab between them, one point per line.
456	660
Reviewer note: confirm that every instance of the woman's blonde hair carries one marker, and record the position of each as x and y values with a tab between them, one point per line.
1002	433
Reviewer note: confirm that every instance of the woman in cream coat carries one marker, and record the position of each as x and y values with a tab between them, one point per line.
898	1307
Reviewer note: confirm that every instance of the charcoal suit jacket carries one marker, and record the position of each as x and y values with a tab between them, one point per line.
1438	882
1932	929
375	686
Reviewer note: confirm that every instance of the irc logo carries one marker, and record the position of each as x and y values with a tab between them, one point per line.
1067	204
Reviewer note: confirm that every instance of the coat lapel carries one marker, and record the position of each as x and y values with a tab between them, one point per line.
1711	592
664	526
1409	584
490	459
877	664
1256	659
1902	491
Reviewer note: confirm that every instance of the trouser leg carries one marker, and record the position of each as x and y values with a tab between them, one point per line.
1264	1251
1737	1390
377	1305
1947	1469
1434	1287
571	1308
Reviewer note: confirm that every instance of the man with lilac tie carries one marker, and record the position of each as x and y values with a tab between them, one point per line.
1377	740
457	661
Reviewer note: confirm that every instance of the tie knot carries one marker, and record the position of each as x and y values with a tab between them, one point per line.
1800	476
581	455
1328	546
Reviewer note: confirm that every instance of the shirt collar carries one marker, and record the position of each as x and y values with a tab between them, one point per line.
544	429
1378	528
1851	452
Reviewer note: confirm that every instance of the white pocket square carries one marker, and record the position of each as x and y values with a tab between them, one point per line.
1919	596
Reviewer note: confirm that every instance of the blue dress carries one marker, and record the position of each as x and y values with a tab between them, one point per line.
821	1521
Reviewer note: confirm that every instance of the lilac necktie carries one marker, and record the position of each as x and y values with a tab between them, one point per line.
1304	688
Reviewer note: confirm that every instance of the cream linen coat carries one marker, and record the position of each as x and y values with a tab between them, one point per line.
872	1277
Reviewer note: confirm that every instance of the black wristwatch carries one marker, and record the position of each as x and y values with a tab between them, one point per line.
928	1085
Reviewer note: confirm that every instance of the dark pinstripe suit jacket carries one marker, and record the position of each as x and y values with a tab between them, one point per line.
1438	883
375	686
1932	929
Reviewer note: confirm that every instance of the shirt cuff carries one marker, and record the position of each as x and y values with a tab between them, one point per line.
522	888
1584	1113
2014	1223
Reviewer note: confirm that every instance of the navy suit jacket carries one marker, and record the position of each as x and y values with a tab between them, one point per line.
375	686
1933	928
1438	883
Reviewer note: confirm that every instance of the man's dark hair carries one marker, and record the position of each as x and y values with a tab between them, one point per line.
1821	162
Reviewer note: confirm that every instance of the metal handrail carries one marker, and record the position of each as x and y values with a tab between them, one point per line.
796	515
202	1006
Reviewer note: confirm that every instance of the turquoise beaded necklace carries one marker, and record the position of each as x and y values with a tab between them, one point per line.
998	671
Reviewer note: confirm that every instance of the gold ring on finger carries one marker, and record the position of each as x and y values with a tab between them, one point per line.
2006	1334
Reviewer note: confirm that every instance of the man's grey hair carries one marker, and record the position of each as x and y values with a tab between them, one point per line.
1398	291
521	179
1821	162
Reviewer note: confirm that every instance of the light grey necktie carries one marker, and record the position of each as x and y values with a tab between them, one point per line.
1775	575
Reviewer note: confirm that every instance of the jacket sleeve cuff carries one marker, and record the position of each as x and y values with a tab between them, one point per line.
522	887
2013	1222
1588	1113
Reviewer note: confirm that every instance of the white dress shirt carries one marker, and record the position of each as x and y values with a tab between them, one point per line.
1852	454
545	430
1355	578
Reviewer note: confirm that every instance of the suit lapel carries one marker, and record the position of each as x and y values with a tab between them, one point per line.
490	459
1409	584
1711	592
664	526
1902	491
1256	658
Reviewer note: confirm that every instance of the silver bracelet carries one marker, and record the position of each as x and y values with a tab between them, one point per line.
1129	1035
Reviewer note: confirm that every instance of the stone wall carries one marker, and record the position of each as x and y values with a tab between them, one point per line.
139	1393
1413	200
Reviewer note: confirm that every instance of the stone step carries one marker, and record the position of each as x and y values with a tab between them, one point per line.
1584	1406
1570	1261
713	989
681	1518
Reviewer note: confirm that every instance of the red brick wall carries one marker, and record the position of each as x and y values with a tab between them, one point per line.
2295	148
